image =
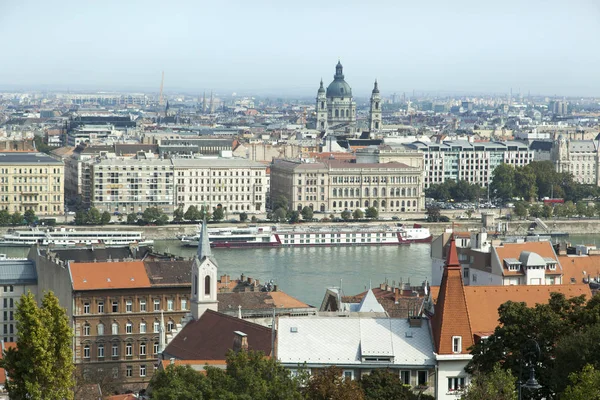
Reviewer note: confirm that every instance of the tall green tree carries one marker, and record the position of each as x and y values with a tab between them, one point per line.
16	218
179	383
293	216
93	216
29	216
132	218
178	214
41	367
346	215
525	183
218	214
154	215
80	217
433	214
498	384
243	217
192	214
585	385
105	218
307	213
4	217
503	182
329	384
358	214
280	202
383	384
371	213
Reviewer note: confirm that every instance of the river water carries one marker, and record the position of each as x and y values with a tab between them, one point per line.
307	272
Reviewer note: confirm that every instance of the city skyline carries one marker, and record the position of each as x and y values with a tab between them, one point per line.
266	48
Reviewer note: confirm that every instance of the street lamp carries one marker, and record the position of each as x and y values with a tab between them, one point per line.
531	350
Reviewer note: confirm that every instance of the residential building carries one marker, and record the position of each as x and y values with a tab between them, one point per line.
236	185
463	315
333	186
91	133
487	262
357	345
472	162
31	181
18	278
131	185
581	158
194	145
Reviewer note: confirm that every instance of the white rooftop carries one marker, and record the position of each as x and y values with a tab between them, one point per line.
353	341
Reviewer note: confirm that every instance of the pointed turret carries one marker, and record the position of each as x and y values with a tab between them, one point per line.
321	88
451	325
376	88
203	243
162	339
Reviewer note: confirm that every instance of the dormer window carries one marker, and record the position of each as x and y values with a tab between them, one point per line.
456	344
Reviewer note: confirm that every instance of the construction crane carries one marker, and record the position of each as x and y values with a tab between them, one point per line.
160	96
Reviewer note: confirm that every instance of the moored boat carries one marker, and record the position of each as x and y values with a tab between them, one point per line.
69	237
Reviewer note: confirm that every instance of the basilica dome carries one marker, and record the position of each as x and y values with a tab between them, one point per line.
339	87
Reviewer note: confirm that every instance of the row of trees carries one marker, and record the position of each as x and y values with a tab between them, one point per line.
457	191
537	180
92	217
567	210
16	218
150	216
568	334
282	213
194	213
249	375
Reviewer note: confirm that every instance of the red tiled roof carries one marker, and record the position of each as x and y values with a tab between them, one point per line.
451	317
109	275
575	268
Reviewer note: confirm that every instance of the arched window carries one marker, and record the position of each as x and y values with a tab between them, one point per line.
403	203
347	113
414	191
397	203
351	204
366	192
334	204
383	203
86	329
207	285
346	192
346	204
195	284
382	192
100	329
374	192
322	207
115	328
334	192
337	112
375	204
414	203
403	192
377	105
366	203
86	351
397	192
322	105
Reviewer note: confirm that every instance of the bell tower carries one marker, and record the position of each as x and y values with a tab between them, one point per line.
375	110
321	109
204	277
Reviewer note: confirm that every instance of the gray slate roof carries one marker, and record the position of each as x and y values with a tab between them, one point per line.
27	158
17	272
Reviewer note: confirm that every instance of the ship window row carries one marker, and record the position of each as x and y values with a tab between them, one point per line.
323	241
336	235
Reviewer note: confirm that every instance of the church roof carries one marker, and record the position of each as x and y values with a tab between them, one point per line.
370	304
339	87
204	245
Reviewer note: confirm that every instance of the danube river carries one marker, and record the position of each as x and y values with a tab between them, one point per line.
305	273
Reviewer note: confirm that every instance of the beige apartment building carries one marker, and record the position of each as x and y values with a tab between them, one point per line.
30	180
236	185
127	185
335	186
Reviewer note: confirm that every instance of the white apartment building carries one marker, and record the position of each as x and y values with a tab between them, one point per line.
579	157
471	162
237	185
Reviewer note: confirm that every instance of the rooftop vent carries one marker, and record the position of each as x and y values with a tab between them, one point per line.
107	279
294	329
408	334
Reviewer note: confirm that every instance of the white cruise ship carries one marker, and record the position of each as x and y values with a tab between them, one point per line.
69	237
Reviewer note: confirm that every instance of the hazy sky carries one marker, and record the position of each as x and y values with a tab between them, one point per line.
280	46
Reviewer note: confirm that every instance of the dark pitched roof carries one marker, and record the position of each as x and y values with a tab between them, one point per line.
98	253
212	335
541	145
169	272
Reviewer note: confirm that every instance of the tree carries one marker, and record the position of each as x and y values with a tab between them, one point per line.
520	209
293	217
80	217
4	217
581	209
243	217
503	182
154	215
346	215
218	214
105	218
307	213
132	218
433	214
525	183
41	366
192	214
570	209
585	385
279	215
93	217
280	202
358	214
178	215
547	211
372	213
16	218
330	384
178	383
382	384
499	384
29	216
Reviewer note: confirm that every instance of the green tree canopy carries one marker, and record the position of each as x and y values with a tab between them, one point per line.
154	215
346	215
105	218
498	384
371	213
93	217
280	202
218	214
243	217
41	367
503	182
383	384
585	385
178	214
433	214
29	216
192	214
329	384
307	213
16	218
132	218
293	217
358	214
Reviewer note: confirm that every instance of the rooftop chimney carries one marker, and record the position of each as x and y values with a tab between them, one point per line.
240	341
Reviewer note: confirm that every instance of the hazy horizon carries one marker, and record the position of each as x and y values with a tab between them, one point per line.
268	47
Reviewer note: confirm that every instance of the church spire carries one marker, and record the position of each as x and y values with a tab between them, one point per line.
376	88
339	71
203	243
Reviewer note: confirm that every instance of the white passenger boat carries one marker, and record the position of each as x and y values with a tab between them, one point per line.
69	237
272	236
